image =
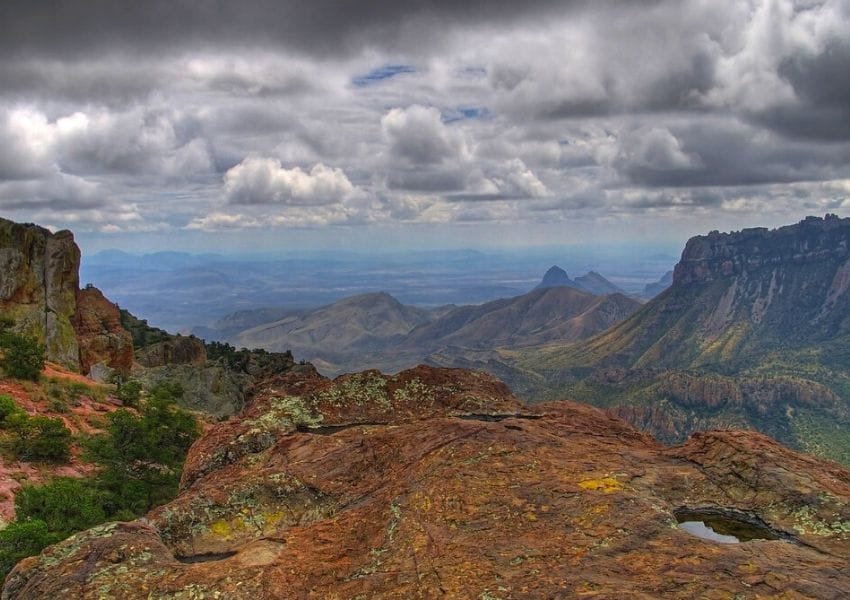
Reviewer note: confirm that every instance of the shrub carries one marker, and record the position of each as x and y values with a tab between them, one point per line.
39	438
23	356
8	407
143	454
129	393
21	539
65	504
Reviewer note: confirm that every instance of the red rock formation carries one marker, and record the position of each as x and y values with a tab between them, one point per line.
438	483
100	335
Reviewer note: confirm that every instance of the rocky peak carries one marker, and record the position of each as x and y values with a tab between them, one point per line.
555	276
40	292
718	255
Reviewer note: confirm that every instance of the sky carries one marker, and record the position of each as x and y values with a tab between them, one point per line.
360	124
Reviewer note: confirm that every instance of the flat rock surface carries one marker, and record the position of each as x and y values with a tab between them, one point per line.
438	483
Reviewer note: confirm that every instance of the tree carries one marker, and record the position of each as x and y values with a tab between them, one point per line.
23	356
143	454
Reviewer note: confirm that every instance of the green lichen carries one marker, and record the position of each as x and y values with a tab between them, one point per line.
807	522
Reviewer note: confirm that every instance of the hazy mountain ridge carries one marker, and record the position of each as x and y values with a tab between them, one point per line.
181	292
377	331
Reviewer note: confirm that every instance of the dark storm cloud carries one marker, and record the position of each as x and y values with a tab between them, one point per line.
715	152
822	86
69	27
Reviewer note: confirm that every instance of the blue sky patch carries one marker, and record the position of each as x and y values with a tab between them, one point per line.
382	73
463	113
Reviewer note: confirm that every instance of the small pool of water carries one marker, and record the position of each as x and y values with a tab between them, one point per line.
199	558
722	526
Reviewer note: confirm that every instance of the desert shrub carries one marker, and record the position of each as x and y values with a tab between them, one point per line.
65	504
142	454
39	437
130	393
23	356
21	539
8	407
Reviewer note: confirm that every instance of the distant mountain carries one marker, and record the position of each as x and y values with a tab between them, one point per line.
362	323
595	283
554	277
754	331
653	289
377	331
591	282
543	315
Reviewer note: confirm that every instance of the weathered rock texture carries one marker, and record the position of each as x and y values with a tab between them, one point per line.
179	350
438	483
39	281
101	337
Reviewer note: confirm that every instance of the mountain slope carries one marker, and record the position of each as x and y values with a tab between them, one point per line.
770	307
377	331
355	324
542	315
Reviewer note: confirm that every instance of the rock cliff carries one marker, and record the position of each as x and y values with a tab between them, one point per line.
761	316
101	338
438	483
40	292
39	281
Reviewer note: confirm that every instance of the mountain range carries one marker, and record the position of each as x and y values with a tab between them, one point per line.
753	332
377	331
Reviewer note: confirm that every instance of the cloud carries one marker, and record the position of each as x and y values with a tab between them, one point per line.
359	114
258	180
417	135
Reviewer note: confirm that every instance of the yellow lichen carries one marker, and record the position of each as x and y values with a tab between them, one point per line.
605	485
220	528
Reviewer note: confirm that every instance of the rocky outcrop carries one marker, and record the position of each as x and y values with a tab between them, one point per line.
438	483
39	281
718	255
178	350
101	337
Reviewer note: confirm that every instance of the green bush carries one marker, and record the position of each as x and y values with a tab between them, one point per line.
39	437
23	356
141	458
8	407
129	393
21	539
65	504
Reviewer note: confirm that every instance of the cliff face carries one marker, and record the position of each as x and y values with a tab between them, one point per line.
438	483
101	337
757	322
40	292
39	281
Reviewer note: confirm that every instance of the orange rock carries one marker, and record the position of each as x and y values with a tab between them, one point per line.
433	483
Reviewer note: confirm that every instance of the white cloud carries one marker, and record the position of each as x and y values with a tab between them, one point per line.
258	180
